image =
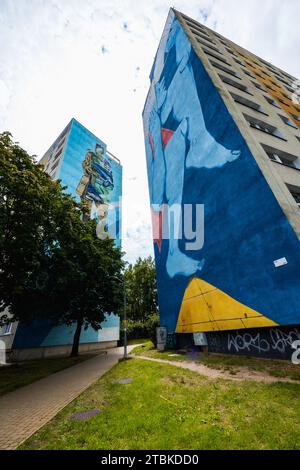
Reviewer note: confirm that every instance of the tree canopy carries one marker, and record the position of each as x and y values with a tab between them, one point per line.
141	289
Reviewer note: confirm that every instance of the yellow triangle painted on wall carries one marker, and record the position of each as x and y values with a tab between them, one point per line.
206	308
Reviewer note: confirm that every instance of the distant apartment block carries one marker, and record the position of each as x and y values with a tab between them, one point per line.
92	175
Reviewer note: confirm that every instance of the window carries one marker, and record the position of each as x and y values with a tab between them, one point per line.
295	192
219	36
204	43
54	166
62	135
215	56
58	154
288	76
194	24
288	121
277	156
200	32
197	29
259	75
231	51
269	87
283	102
225	69
296	117
61	143
274	157
6	329
235	84
296	196
263	127
238	62
270	68
248	73
272	102
266	73
259	86
248	103
207	40
265	62
281	80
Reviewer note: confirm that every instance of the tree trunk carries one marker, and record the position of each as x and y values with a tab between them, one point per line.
76	339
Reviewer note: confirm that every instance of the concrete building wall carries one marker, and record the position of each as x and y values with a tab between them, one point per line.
19	354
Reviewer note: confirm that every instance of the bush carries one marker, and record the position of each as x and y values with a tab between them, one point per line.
137	329
152	324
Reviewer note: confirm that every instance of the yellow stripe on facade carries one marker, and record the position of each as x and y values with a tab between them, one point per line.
206	308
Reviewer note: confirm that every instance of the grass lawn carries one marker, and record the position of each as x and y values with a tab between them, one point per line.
138	341
280	369
24	373
165	407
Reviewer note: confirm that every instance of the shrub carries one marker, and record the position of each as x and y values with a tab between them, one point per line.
137	329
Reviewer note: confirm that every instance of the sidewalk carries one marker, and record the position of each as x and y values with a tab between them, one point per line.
27	409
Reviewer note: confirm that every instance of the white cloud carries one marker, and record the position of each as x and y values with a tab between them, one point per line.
92	59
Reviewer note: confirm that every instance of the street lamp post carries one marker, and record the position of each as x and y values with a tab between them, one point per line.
124	313
125	320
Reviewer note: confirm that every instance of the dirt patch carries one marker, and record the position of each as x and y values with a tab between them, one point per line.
235	374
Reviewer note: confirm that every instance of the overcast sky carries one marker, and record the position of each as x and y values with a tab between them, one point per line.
91	59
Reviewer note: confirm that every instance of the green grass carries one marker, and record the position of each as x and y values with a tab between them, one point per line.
169	408
24	373
275	368
144	347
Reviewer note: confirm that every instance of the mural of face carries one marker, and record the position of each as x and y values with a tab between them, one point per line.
178	139
196	154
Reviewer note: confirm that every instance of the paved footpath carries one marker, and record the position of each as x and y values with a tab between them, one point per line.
27	409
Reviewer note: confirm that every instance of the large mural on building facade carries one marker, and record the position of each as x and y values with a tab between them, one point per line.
95	185
94	178
196	155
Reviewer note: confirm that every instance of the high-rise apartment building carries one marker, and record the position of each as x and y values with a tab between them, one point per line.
93	175
90	172
223	145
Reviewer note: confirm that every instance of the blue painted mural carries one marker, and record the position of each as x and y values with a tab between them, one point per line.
92	176
196	155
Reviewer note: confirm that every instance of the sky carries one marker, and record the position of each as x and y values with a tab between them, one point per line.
91	59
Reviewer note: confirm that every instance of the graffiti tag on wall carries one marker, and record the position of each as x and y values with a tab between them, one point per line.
278	340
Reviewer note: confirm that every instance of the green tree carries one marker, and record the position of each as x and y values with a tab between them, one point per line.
52	265
88	270
141	289
31	207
